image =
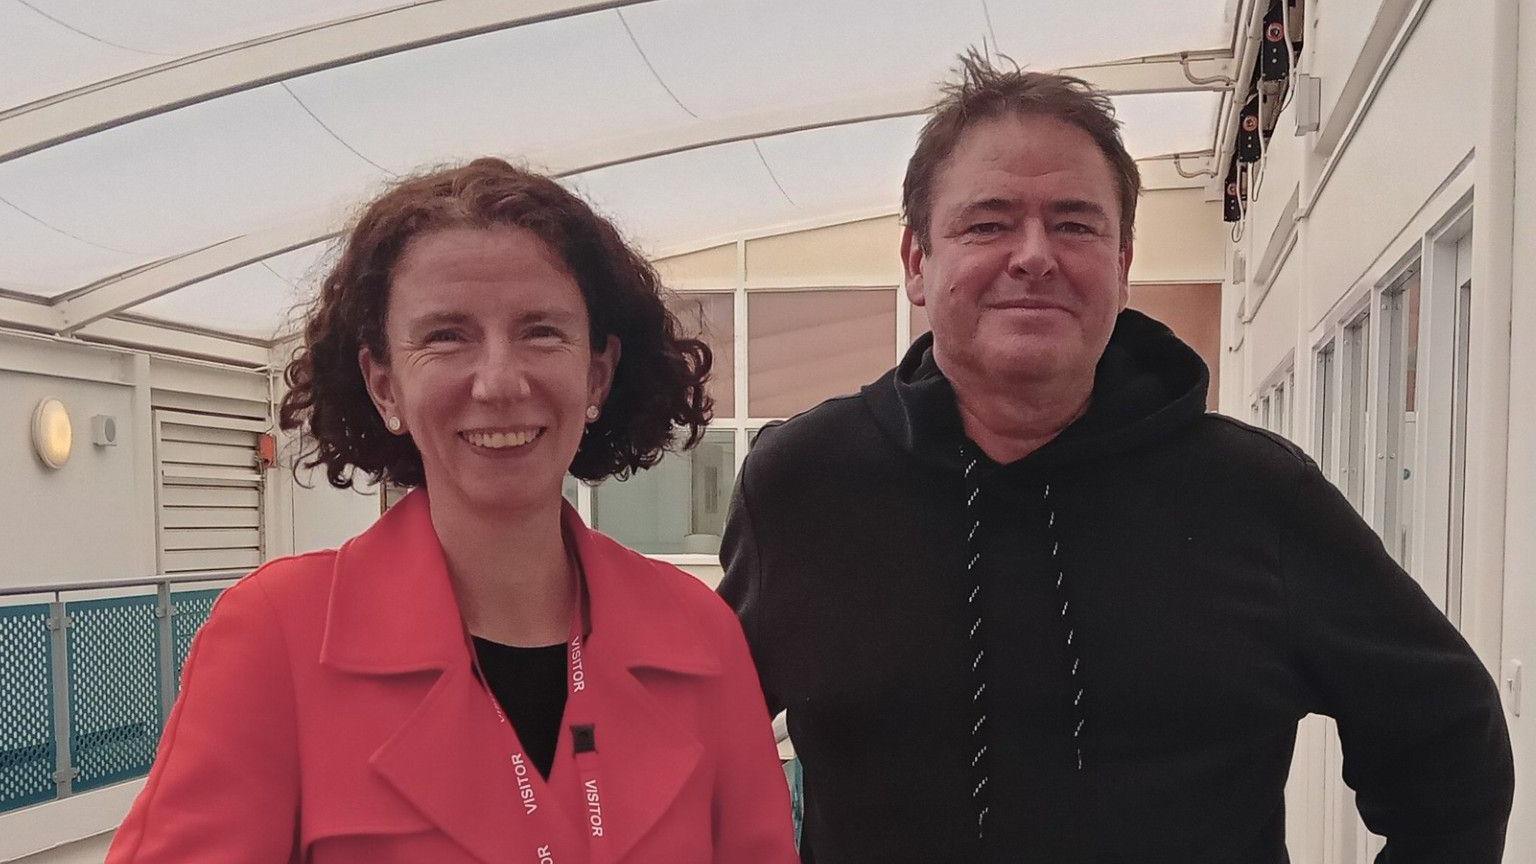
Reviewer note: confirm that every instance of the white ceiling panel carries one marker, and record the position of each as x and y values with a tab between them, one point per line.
723	59
669	201
843	169
42	262
54	46
1049	34
520	93
253	301
1153	124
192	177
306	266
43	58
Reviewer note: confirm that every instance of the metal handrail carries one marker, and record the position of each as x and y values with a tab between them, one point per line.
61	621
169	579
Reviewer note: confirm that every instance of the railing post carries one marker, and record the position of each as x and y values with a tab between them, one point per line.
64	772
164	612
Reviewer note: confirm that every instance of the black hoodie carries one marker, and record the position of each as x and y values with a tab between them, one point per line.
1098	653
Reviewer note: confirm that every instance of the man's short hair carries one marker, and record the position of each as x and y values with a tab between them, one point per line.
985	92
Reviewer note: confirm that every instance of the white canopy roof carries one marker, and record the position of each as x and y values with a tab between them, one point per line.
184	163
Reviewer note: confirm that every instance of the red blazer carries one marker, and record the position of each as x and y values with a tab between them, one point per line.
330	713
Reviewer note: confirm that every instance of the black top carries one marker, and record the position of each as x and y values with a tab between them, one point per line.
1162	593
530	685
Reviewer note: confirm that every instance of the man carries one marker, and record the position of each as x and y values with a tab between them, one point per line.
1025	600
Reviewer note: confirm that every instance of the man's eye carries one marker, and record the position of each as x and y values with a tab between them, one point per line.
545	331
1076	228
443	336
986	228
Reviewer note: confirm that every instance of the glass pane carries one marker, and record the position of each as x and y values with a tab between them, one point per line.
1324	411
1398	418
1282	417
1357	358
1457	528
676	507
808	346
568	489
712	317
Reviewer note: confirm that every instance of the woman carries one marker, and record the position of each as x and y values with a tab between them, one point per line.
478	676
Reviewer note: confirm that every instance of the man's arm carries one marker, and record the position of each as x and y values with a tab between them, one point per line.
1426	747
743	587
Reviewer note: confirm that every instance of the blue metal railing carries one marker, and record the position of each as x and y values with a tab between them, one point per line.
86	685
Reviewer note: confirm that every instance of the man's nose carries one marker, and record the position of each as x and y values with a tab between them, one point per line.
499	375
1032	256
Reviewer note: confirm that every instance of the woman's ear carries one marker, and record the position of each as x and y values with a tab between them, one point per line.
600	375
379	379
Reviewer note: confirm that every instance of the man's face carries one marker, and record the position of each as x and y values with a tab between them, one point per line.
1026	270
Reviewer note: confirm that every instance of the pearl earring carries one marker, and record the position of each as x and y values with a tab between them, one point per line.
592	413
393	423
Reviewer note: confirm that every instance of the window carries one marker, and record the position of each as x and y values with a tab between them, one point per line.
1460	369
647	511
1357	359
1273	409
1324	409
711	316
1282	416
1398	426
807	346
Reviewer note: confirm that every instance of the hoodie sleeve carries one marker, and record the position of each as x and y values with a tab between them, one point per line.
743	586
1424	738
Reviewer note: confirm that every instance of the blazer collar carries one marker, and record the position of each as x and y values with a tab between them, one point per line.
392	608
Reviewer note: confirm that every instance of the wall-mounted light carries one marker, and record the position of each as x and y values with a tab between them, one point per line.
52	435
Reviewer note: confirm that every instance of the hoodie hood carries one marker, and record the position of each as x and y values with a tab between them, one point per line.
1148	385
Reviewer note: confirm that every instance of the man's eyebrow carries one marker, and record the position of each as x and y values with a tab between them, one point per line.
987	205
1069	206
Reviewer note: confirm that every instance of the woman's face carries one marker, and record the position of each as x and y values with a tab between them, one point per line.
491	368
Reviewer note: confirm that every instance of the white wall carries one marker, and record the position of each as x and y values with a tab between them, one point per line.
1520	553
1429	133
83	521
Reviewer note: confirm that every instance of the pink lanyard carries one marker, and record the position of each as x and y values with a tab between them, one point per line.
581	723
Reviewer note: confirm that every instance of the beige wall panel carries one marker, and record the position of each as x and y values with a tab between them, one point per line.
1424	121
77	522
1193	313
707	268
867	252
1179	238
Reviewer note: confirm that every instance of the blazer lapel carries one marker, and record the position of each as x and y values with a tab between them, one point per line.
392	612
647	750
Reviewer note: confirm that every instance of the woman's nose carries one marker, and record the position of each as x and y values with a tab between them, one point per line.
499	377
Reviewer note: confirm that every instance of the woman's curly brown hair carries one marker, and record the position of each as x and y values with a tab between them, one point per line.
657	387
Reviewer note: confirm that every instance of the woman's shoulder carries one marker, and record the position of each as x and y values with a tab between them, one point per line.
290	586
675	589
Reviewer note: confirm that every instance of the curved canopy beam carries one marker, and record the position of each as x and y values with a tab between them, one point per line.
187	81
83	307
